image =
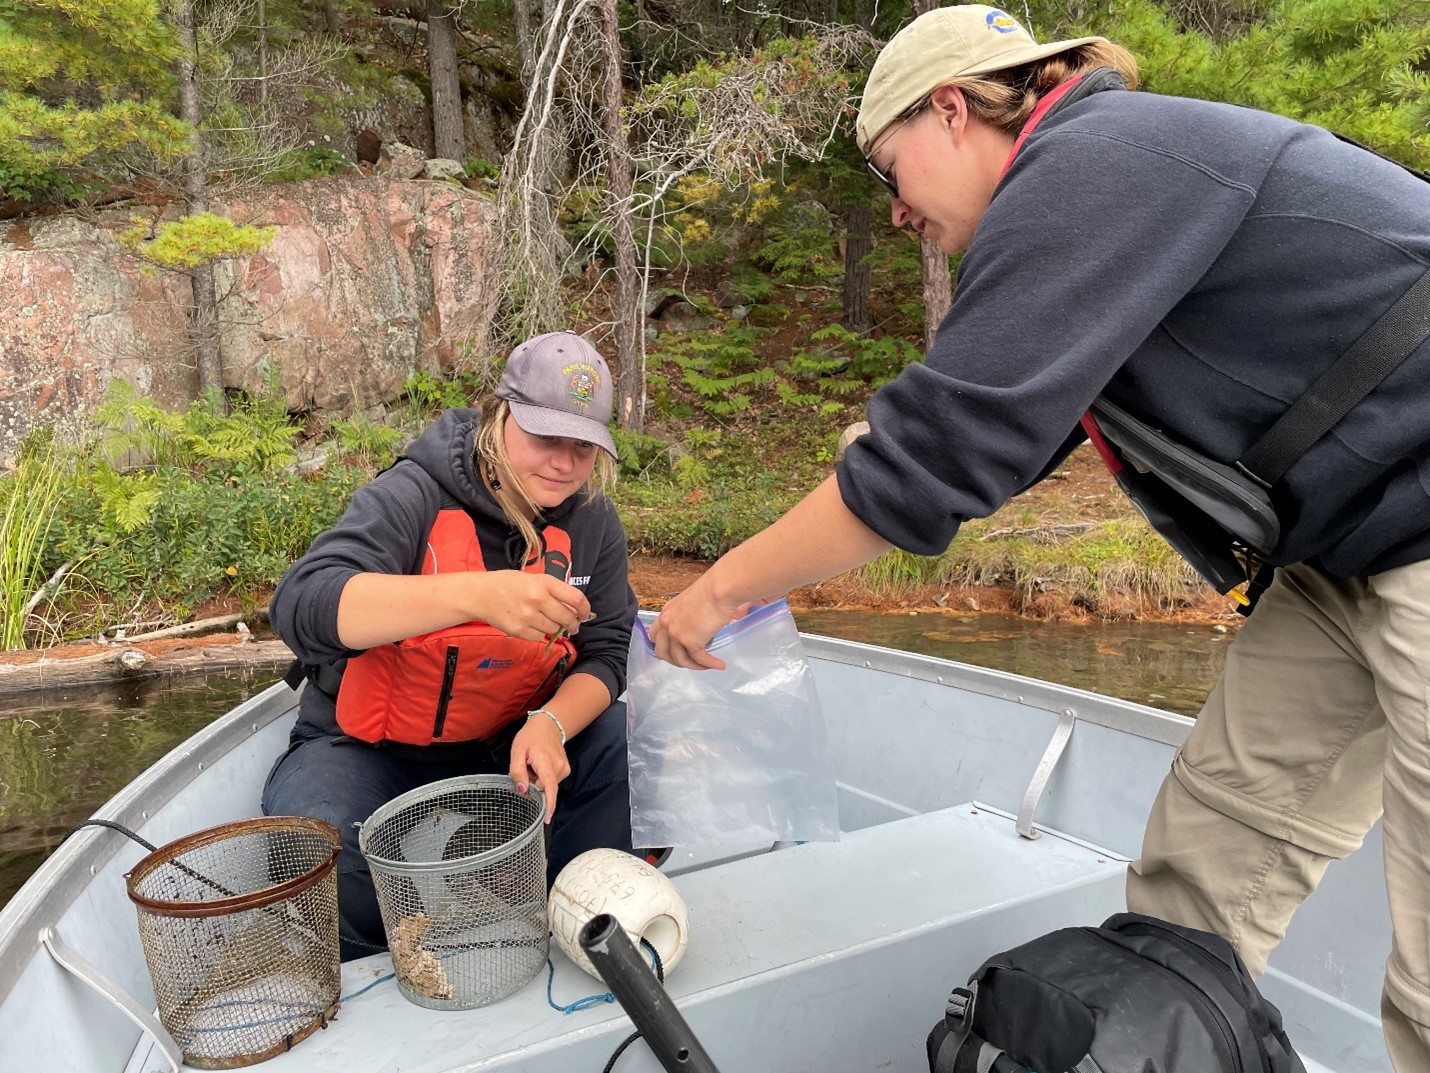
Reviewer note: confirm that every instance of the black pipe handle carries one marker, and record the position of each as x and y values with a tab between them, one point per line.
642	997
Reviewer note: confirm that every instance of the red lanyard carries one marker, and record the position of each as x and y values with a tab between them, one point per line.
1089	423
1044	107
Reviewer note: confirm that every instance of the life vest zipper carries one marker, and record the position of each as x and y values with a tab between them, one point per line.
449	679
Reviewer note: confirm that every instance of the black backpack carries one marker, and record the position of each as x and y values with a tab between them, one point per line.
1137	995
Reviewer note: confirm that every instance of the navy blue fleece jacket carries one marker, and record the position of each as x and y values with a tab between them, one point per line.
385	531
1199	263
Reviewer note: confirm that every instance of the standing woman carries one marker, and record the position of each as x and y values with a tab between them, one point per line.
469	613
1200	267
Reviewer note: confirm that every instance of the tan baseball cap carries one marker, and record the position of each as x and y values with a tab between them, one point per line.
936	48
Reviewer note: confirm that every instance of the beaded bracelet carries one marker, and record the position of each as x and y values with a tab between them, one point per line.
542	711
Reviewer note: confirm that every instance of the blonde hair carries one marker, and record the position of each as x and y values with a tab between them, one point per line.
492	463
1006	99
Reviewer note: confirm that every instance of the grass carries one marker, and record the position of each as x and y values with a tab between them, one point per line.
31	496
1106	568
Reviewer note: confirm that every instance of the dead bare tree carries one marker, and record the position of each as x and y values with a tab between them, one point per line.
260	89
532	257
631	391
729	130
938	280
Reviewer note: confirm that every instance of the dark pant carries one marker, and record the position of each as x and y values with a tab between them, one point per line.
344	781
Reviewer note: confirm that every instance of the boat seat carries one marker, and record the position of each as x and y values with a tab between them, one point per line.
876	927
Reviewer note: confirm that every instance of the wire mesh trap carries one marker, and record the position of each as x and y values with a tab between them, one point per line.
239	925
460	872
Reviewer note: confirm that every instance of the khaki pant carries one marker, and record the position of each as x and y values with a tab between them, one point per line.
1321	718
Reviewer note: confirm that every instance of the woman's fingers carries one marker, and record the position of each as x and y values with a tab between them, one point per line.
687	654
548	780
535	607
538	757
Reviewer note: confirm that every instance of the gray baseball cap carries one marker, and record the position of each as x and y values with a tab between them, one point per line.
557	384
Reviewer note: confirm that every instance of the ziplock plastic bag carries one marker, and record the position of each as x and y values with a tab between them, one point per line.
726	757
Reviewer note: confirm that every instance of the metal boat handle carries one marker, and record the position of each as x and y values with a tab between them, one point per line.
1044	771
65	955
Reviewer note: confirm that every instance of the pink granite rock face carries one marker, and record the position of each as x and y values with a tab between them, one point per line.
365	282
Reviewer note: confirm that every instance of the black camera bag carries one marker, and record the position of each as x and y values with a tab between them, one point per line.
1137	995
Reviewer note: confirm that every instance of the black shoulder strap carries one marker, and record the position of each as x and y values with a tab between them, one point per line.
1095	81
1375	152
1354	375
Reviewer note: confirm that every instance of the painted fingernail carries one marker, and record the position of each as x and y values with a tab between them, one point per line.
521	787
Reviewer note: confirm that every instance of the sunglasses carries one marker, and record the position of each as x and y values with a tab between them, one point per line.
898	121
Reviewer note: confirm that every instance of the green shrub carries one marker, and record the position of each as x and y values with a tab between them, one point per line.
318	162
365	442
180	508
636	453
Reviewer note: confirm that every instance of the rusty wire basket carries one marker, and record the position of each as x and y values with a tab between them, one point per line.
460	872
240	931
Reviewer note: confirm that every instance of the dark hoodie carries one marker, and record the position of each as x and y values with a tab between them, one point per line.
384	530
1199	264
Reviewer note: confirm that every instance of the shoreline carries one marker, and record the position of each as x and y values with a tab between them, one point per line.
656	580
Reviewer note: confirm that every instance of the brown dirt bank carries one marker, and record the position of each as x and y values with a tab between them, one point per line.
658	578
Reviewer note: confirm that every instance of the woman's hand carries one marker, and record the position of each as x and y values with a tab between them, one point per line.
687	623
819	538
533	607
538	756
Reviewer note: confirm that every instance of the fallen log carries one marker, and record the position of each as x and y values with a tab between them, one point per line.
125	662
191	629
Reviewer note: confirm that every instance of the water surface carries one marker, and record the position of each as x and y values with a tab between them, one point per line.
65	753
1163	666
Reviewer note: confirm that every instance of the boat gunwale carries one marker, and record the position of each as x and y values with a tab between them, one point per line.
45	898
60	880
1167	728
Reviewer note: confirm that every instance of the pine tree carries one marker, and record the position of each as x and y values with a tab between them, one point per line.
1357	67
84	81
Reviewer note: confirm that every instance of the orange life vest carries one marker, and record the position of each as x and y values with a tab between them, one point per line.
462	683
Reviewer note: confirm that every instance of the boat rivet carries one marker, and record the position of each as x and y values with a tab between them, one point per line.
1020	700
866	663
1069	712
143	815
940	679
201	767
255	726
94	869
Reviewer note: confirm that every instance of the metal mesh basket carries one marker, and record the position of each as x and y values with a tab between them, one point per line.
460	872
240	930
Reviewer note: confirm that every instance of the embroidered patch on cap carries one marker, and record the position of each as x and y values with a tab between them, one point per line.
1002	22
582	383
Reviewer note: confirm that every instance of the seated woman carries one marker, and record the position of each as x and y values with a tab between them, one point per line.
469	613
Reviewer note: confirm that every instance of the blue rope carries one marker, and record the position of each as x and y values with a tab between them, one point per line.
580	1004
571	1007
369	987
590	1000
